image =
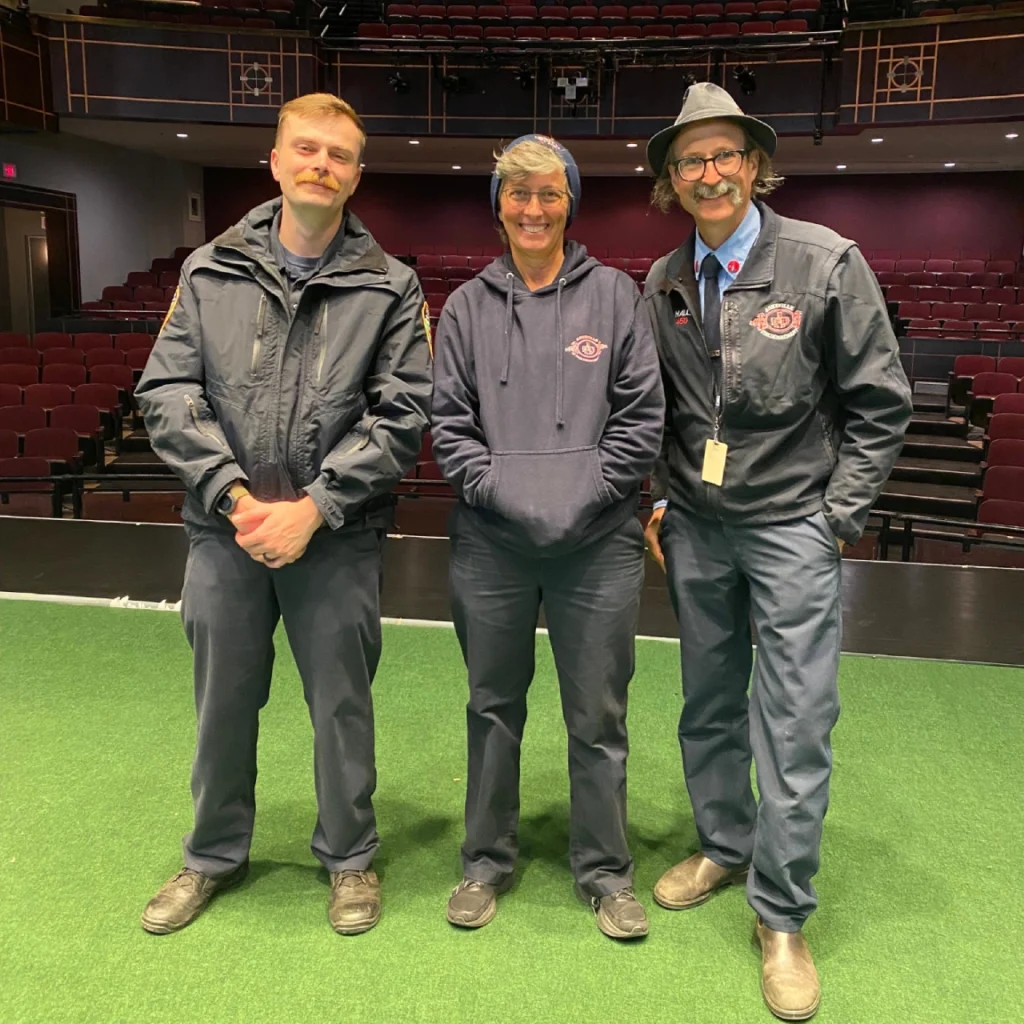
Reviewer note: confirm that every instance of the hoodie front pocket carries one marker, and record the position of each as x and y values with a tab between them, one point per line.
550	495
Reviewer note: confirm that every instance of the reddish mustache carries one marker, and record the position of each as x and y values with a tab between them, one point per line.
316	179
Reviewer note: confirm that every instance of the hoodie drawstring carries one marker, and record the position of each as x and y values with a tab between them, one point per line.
511	278
559	387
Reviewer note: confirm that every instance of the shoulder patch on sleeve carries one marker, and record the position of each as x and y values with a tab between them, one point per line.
425	316
170	309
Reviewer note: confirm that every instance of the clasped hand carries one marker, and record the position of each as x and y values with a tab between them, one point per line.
275	533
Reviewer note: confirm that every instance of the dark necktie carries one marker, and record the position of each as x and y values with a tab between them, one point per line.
712	305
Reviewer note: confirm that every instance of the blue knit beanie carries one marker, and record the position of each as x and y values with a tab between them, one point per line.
572	172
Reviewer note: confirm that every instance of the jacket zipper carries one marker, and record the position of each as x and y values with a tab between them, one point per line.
360	445
195	419
258	343
322	335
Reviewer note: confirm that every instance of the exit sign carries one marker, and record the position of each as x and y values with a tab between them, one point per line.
10	171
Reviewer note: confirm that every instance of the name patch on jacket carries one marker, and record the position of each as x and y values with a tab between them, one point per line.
679	310
778	321
586	348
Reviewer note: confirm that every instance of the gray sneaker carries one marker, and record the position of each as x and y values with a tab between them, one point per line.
182	899
619	914
473	904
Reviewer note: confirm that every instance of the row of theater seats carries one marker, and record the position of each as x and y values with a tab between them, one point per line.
537	33
636	11
256	14
440	275
979	382
958	295
145	294
70	361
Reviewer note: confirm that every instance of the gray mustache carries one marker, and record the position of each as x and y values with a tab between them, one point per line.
721	188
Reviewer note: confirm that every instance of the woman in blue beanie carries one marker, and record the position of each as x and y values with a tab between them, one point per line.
547	415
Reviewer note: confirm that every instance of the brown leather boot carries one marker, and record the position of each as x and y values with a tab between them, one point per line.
695	881
789	981
354	905
182	899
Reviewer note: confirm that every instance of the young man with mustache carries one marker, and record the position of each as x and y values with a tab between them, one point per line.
787	406
289	389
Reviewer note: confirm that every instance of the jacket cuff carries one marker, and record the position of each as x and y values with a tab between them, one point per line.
661	503
222	480
329	508
844	528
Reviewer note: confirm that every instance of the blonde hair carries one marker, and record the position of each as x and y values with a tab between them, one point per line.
320	104
528	158
664	197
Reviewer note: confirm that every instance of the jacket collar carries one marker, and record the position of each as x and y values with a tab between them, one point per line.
757	271
249	241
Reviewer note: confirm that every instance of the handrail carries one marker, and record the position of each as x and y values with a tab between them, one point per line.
973	533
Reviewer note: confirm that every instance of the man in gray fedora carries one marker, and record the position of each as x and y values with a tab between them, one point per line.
786	409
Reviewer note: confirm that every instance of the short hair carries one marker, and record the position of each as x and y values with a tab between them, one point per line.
321	104
663	195
528	158
519	162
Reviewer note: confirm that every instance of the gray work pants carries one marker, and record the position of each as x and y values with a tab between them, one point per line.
330	602
786	577
591	601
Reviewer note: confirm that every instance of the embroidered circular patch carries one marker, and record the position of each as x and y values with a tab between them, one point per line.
586	348
778	321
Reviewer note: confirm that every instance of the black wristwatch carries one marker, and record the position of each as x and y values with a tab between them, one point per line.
229	499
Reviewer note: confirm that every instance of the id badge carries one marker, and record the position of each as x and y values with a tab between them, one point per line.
714	463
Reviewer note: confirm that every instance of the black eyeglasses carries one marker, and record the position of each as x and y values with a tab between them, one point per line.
693	168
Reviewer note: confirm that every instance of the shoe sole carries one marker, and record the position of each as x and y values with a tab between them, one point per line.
486	918
356	929
489	914
740	879
155	928
782	1014
607	929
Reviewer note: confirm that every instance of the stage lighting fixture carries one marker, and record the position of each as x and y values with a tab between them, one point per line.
398	82
746	80
689	79
524	76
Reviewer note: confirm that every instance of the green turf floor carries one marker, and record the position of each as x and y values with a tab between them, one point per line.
921	894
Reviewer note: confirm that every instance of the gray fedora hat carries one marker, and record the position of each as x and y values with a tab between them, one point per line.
706	101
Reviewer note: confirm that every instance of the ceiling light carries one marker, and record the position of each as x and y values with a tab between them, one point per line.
414	142
263	161
182	135
878	140
1011	135
950	164
632	145
840	167
637	168
456	167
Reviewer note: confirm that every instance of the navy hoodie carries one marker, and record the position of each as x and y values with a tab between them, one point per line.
548	409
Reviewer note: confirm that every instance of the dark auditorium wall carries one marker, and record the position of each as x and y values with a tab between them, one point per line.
132	206
927	211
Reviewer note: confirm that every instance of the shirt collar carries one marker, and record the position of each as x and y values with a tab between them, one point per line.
733	252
